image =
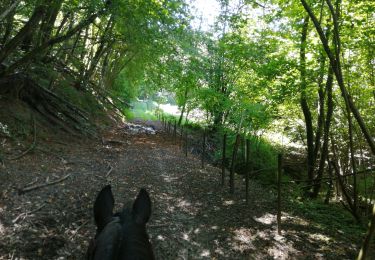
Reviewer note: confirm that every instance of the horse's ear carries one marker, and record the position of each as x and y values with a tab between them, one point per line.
103	207
142	207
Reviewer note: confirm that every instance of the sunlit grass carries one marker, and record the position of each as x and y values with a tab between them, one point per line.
140	114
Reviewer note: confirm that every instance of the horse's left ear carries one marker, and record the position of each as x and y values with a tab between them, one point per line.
103	207
142	207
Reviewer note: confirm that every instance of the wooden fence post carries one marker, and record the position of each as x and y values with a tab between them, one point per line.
186	142
279	171
223	159
234	158
203	148
248	169
181	136
175	131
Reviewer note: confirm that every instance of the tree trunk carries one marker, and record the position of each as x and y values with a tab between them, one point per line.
49	21
98	54
367	242
336	66
22	34
39	49
348	199
182	114
233	163
8	27
183	107
330	184
352	159
327	124
9	10
305	106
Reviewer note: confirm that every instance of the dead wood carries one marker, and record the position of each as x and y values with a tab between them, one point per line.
109	171
159	225
78	228
48	183
52	107
32	183
104	142
24	214
52	153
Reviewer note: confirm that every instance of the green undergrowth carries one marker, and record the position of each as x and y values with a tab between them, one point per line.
331	217
263	154
64	86
140	110
131	114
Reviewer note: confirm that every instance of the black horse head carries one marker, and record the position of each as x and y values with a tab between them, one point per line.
122	235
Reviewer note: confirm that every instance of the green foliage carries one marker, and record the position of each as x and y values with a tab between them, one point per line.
124	88
332	217
131	114
141	110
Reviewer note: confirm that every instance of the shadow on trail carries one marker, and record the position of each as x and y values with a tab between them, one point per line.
193	216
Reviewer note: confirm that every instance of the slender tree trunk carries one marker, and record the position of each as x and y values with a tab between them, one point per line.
234	155
367	242
352	159
184	106
8	27
39	49
348	199
12	45
330	184
99	52
336	66
341	183
49	21
62	23
9	10
327	124
304	104
233	163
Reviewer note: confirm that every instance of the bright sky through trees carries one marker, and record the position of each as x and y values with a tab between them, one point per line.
208	10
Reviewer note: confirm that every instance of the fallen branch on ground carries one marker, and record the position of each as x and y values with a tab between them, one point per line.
52	153
77	229
159	225
31	183
109	171
104	142
27	189
27	213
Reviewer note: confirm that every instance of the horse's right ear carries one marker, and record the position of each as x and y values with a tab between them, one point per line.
142	207
103	207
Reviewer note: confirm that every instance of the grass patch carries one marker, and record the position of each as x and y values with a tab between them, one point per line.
131	114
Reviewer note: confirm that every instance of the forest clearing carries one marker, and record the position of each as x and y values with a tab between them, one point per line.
187	129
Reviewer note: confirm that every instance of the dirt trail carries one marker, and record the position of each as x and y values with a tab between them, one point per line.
193	216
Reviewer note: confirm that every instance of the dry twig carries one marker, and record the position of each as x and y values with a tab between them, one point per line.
48	183
24	214
78	228
109	171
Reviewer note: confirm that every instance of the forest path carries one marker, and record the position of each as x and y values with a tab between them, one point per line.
193	216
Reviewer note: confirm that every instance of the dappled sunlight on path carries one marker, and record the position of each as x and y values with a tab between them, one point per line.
193	216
